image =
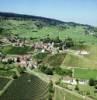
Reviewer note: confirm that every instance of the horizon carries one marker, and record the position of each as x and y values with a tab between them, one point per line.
78	11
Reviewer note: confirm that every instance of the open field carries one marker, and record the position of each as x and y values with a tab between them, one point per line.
62	94
85	73
15	50
89	90
6	73
55	60
70	60
39	29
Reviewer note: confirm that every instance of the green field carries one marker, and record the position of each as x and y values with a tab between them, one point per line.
30	28
41	56
85	73
15	50
6	73
62	94
72	60
26	87
55	60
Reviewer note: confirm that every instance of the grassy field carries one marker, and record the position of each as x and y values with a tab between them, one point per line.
15	50
85	73
26	87
55	60
61	94
71	59
29	29
89	90
41	56
6	73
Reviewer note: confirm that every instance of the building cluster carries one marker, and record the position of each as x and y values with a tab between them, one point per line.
45	47
22	61
73	81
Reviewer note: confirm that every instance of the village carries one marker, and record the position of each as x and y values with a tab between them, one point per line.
28	62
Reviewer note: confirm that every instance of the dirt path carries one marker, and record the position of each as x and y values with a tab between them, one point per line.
5	87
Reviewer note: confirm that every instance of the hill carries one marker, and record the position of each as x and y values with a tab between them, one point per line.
27	26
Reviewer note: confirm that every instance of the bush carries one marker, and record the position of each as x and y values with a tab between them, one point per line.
69	42
15	76
77	88
49	71
91	82
61	71
46	70
51	89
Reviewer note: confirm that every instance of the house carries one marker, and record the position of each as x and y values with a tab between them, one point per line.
82	52
83	82
73	81
69	80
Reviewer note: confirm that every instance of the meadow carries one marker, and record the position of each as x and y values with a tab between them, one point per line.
62	94
85	73
15	50
39	29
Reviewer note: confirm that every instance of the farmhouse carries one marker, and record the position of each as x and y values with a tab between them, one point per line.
83	82
82	52
69	80
73	81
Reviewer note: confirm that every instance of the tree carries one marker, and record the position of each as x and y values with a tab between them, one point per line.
57	40
15	76
46	70
77	88
91	82
51	89
69	42
50	97
1	30
49	71
42	68
77	81
95	86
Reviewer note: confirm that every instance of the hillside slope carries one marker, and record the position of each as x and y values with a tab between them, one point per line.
40	27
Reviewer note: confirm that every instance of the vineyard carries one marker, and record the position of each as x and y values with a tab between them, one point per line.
26	87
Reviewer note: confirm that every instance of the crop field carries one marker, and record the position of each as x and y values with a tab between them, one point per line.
85	73
3	82
15	50
55	60
88	89
71	60
41	56
61	94
26	87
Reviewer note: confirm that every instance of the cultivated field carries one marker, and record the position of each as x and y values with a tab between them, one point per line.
3	82
62	94
27	87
